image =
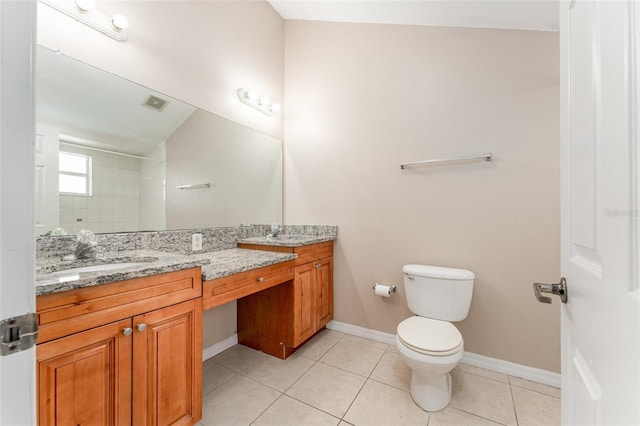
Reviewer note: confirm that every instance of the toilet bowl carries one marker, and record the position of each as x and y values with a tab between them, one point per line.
428	343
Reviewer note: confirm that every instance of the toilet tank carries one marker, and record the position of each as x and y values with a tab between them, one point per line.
437	292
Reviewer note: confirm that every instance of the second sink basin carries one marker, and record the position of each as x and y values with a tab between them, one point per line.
96	268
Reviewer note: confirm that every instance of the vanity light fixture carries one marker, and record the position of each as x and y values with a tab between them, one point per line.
84	11
261	103
119	22
85	5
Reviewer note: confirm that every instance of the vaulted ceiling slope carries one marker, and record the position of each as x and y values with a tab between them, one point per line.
539	15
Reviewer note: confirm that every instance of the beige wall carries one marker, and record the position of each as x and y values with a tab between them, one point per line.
200	52
361	99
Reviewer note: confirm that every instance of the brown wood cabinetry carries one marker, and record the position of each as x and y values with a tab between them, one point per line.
140	366
279	319
222	290
167	365
313	298
85	378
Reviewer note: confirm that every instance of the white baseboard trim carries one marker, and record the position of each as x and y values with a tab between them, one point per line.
221	346
512	369
367	333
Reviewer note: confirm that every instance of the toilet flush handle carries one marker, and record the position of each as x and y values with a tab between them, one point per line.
408	275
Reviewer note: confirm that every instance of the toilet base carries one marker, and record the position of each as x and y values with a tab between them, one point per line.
431	393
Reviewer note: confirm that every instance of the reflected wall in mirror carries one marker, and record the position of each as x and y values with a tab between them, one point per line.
139	145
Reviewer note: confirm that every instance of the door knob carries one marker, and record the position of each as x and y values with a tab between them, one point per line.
141	327
127	331
559	289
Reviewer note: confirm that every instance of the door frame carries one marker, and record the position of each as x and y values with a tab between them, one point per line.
17	171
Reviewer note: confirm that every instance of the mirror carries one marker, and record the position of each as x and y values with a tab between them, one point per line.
134	159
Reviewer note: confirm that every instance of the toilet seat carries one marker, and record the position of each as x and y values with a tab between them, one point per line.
429	336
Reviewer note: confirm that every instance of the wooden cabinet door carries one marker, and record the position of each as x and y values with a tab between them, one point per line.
167	365
85	378
304	303
324	288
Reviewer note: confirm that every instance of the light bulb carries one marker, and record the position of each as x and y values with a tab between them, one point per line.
275	107
119	22
85	5
264	101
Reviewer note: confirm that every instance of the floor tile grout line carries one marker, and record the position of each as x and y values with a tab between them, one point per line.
312	406
271	387
346	371
387	384
298	379
484	377
354	399
369	346
263	411
362	387
223	382
283	394
477	415
513	402
536	391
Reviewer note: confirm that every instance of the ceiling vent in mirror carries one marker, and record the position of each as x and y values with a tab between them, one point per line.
156	103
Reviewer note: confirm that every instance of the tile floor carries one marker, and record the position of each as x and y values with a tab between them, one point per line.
339	379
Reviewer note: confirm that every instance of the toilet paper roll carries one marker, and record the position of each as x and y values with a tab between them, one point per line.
382	290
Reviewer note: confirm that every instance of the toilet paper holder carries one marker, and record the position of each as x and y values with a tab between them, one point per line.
392	288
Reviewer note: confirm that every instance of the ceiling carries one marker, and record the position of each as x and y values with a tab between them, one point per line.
505	14
105	110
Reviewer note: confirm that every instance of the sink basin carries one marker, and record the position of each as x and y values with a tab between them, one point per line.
95	268
92	265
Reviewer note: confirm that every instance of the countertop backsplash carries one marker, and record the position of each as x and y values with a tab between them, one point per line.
179	241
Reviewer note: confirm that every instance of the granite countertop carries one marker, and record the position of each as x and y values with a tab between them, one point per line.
51	275
288	240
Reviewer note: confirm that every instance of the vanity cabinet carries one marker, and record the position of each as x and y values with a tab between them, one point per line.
313	298
85	378
279	319
142	366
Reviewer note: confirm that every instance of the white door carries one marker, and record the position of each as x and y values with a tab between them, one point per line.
17	269
600	82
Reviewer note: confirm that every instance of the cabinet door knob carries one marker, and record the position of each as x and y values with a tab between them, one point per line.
141	327
318	266
261	279
127	331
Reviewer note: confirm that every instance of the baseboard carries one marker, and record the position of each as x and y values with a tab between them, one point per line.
221	346
367	333
512	369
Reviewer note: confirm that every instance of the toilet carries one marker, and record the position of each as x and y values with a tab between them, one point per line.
428	342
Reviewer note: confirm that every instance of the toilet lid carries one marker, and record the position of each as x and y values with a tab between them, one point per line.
429	336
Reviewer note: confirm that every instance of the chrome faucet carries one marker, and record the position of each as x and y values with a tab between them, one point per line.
275	230
85	248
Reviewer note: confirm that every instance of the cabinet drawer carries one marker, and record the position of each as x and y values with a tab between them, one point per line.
313	252
71	311
222	290
305	254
